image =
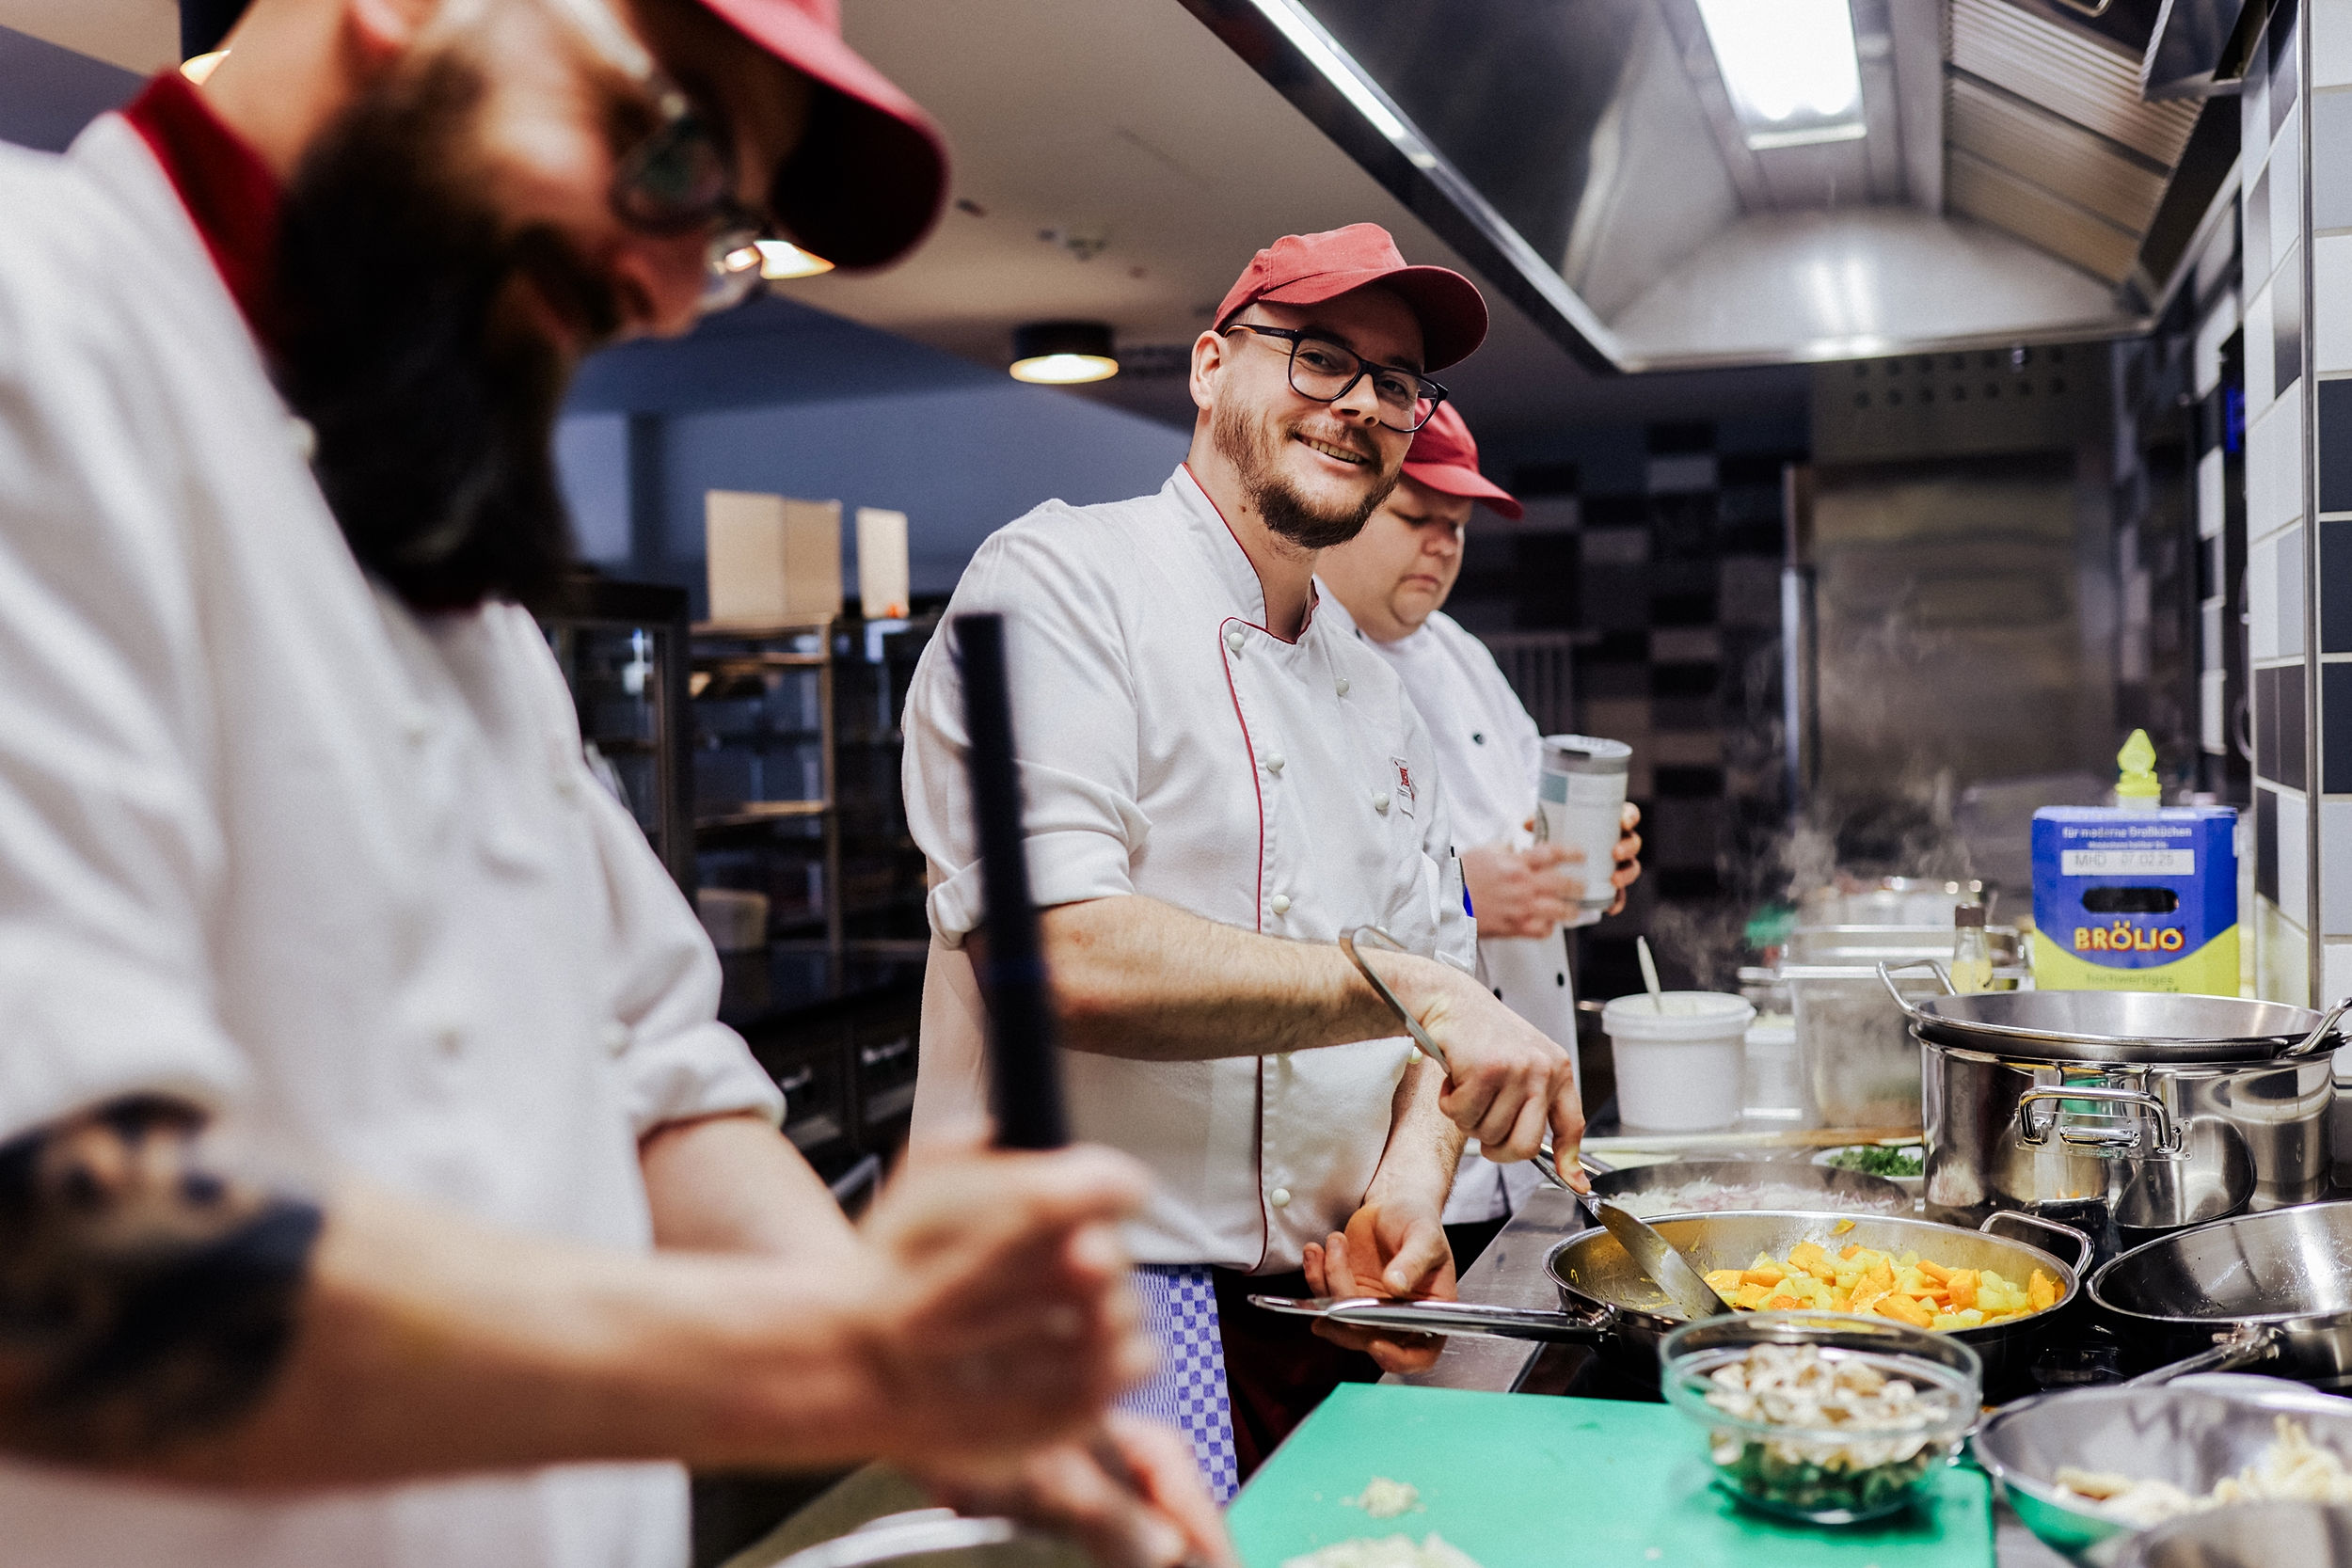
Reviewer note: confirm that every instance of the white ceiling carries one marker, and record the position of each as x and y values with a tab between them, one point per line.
1127	122
136	35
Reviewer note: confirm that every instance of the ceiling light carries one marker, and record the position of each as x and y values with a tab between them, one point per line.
1062	354
781	258
1790	68
196	67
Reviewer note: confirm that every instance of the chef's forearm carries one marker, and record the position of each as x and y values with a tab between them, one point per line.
430	1345
733	1183
1425	1145
1136	977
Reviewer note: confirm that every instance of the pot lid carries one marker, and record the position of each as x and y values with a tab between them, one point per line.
2119	1025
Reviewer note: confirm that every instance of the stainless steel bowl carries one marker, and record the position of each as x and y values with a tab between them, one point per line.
2192	1434
1826	1186
2251	1535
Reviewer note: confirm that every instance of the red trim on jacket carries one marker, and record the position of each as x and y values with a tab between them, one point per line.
231	195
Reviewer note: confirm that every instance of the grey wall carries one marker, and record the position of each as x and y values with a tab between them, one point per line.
47	94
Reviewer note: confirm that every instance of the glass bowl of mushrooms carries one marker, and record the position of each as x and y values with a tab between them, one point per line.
1822	1416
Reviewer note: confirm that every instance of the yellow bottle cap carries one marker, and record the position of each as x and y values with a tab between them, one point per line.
2138	761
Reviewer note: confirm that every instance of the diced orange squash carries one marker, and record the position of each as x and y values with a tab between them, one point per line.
1906	1310
1851	1247
1935	1271
1962	1288
1783	1302
2042	1290
1769	1274
1841	1227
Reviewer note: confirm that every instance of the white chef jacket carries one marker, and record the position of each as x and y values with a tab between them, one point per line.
1171	746
270	841
1490	754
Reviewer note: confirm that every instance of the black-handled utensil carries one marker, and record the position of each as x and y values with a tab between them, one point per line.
1025	1076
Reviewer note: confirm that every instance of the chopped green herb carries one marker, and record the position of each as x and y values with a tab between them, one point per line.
1876	1160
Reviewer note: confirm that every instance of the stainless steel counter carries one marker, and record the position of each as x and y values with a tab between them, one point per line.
1511	1274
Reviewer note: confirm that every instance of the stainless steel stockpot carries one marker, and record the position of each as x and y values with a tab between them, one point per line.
2157	1111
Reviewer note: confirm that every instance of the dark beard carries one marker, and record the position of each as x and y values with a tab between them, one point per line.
401	341
1286	511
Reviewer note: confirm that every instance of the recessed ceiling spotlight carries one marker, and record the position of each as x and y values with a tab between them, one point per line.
781	258
196	67
1789	67
1063	354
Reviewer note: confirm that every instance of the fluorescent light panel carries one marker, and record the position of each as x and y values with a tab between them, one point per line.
1790	68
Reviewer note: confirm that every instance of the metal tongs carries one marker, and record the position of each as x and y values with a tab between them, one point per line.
1655	1256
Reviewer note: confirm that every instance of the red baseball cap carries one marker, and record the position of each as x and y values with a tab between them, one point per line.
870	175
1308	269
1444	457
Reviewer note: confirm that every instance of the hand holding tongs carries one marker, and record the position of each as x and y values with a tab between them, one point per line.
1651	1253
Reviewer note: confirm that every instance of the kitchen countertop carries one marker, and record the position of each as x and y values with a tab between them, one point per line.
1511	1274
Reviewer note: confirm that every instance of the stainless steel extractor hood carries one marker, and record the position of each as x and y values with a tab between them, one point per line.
2011	183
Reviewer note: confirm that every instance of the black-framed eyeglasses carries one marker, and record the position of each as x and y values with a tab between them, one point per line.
680	177
1325	371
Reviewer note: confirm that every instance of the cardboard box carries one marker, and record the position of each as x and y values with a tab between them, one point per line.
881	563
773	561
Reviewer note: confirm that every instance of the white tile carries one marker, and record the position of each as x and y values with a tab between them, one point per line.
2212	730
2262	599
2286	187
2295	850
2336	983
2258	366
2282	956
2332	303
2335	867
2211	334
2330	22
2213	497
2291	593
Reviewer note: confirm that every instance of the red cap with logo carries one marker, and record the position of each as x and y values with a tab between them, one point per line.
1444	457
1308	269
870	175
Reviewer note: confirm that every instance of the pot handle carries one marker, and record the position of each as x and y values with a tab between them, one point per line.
1472	1318
2243	1346
2036	1129
2065	1232
2326	1027
1886	977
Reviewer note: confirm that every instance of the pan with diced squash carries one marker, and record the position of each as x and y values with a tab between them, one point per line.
1899	1285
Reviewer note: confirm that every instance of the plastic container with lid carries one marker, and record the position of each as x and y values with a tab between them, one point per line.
1679	1059
1773	1091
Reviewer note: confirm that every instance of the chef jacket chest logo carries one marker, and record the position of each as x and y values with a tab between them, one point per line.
1404	785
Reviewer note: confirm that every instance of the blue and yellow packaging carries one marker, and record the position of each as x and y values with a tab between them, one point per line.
2130	898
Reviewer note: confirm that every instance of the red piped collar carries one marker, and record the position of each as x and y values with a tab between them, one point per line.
229	190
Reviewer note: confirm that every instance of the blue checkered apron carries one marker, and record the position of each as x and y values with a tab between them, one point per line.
1188	1390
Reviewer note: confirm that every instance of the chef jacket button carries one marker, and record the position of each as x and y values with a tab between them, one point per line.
304	438
1280	1197
1275	761
1234	639
416	726
1281	903
1339	686
450	1042
1380	801
567	782
616	1037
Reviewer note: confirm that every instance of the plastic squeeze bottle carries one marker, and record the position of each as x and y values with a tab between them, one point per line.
1972	951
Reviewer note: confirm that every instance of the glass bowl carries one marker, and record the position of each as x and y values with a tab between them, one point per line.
1827	1450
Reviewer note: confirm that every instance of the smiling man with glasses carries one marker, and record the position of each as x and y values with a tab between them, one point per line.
1218	783
377	1186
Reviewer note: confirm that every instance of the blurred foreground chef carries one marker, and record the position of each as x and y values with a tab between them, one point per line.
377	1185
1389	584
1219	781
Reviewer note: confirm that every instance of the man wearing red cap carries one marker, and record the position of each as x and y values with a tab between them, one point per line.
1389	583
377	1186
1220	784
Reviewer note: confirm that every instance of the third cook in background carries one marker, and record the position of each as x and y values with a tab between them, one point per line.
1391	580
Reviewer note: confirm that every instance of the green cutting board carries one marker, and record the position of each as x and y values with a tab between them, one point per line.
1523	1481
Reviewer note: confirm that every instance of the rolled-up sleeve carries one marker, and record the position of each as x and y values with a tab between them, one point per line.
1074	721
111	846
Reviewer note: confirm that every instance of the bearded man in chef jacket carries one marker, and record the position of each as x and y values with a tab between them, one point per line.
1389	584
1218	783
370	1154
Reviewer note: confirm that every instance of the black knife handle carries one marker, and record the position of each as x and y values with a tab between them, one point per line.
1024	1074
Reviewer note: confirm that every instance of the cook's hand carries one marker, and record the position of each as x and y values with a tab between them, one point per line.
1522	892
993	1308
1628	855
1131	1492
1506	1081
1388	1249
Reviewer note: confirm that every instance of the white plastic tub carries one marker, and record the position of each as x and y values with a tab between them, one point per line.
1679	1069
